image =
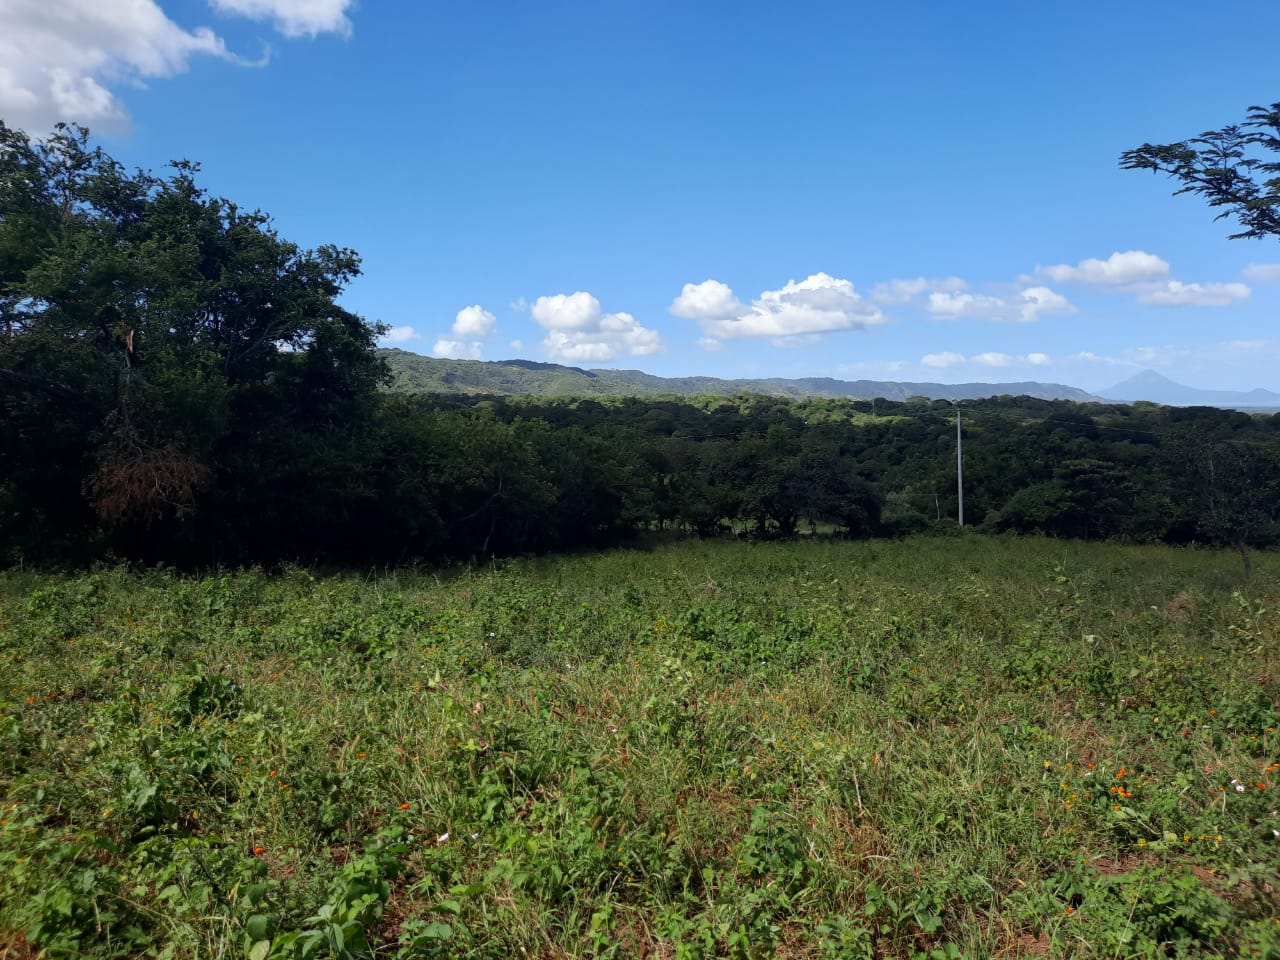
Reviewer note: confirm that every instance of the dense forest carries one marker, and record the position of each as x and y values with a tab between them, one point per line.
178	383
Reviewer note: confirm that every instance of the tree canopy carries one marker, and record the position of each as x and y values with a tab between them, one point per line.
152	335
1236	168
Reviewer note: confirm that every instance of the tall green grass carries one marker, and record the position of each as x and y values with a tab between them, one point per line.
931	748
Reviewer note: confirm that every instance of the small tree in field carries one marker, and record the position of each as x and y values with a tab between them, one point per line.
1236	168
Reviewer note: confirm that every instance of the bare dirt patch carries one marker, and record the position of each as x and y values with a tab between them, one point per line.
1179	607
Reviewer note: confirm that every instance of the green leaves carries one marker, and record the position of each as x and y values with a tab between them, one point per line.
912	749
1225	167
183	331
261	926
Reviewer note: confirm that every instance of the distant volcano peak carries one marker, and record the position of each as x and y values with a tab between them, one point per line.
1155	387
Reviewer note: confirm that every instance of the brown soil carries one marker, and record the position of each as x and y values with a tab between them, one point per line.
14	946
1179	607
1025	945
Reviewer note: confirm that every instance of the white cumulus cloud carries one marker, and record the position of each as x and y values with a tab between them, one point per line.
573	311
564	346
709	300
1025	307
952	306
58	58
474	321
398	335
894	292
294	18
458	349
993	359
818	304
1037	300
578	330
1147	276
1088	356
1121	269
1262	272
1175	293
63	60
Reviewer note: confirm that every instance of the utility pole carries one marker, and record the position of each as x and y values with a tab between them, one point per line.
959	467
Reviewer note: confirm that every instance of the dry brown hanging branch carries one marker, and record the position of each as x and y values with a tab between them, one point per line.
138	481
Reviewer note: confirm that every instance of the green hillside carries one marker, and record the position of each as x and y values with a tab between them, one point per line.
413	373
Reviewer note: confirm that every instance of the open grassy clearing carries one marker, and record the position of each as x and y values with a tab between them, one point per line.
937	748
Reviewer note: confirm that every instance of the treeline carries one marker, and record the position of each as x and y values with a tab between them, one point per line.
179	384
531	475
440	479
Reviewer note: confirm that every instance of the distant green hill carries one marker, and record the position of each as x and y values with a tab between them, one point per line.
414	373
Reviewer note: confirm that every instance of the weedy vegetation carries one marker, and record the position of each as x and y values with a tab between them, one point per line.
931	748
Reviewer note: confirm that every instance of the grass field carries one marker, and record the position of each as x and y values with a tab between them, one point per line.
929	748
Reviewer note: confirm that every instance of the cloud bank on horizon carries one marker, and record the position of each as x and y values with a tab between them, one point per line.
65	61
578	330
1147	276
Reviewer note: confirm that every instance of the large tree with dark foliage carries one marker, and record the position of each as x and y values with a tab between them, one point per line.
1236	169
168	361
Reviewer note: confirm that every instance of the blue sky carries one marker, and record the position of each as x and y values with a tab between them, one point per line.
911	191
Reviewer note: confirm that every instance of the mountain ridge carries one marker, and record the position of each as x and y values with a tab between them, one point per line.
414	373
